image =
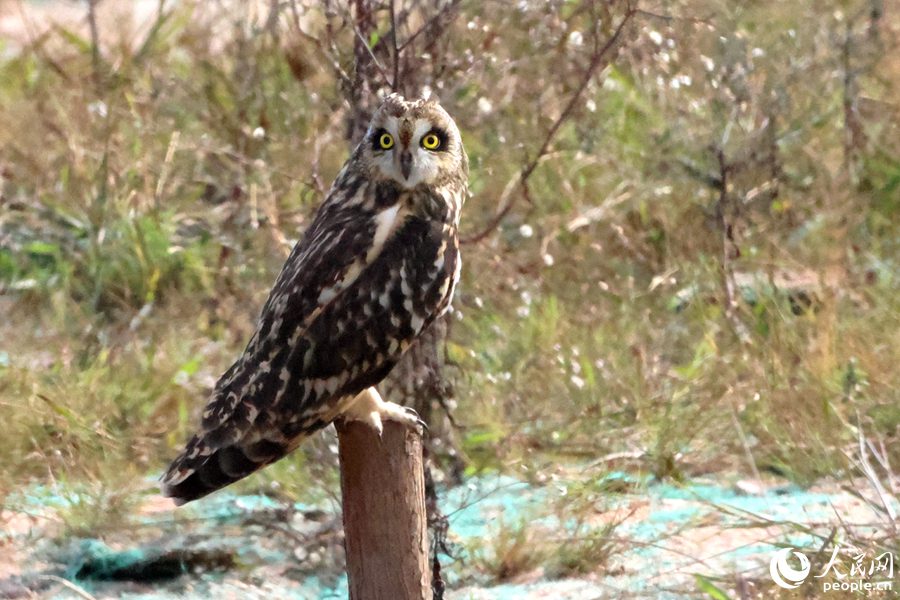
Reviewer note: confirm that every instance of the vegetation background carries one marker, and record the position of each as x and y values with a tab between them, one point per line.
681	255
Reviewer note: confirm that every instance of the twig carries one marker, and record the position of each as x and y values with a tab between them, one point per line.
272	20
881	456
597	60
396	51
166	167
330	55
65	582
440	14
744	443
616	456
375	61
670	18
95	42
872	476
728	283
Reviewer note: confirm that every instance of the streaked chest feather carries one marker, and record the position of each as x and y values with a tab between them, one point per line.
335	326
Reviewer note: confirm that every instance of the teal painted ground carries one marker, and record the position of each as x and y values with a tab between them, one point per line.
255	547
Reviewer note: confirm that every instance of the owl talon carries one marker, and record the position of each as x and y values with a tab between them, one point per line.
371	409
413	414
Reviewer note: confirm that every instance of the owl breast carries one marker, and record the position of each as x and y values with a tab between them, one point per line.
410	283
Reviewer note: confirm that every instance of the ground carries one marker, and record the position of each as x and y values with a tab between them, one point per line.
659	538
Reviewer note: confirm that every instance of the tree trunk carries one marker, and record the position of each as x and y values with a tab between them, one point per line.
383	495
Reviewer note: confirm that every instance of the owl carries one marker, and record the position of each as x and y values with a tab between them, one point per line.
378	264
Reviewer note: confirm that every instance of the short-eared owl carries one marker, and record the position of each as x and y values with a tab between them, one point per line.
377	266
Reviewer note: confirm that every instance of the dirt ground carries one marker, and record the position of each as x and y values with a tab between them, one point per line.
230	546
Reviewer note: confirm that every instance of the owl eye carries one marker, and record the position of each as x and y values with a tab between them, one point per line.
386	141
431	141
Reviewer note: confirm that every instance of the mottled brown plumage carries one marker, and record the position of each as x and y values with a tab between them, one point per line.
377	266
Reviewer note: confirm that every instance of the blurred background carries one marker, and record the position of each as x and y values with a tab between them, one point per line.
674	348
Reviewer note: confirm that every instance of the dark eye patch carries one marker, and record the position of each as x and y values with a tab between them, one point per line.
441	135
376	137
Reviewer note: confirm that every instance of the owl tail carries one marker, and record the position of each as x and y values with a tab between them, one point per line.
202	469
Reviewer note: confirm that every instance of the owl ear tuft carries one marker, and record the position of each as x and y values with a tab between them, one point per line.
429	97
394	101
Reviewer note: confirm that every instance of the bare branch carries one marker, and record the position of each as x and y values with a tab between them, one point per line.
668	19
396	51
436	18
598	59
728	242
330	55
375	60
77	590
95	41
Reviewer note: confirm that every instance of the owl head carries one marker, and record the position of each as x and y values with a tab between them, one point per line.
413	142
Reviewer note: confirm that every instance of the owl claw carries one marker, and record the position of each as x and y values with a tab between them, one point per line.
402	414
370	408
413	414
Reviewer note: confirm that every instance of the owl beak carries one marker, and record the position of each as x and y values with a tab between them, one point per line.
406	163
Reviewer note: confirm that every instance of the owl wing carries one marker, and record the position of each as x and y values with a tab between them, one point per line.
323	264
356	290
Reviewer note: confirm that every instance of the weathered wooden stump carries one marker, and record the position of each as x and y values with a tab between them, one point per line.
383	496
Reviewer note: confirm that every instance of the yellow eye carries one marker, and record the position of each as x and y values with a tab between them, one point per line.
431	142
386	141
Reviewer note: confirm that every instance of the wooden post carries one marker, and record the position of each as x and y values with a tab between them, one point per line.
383	496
